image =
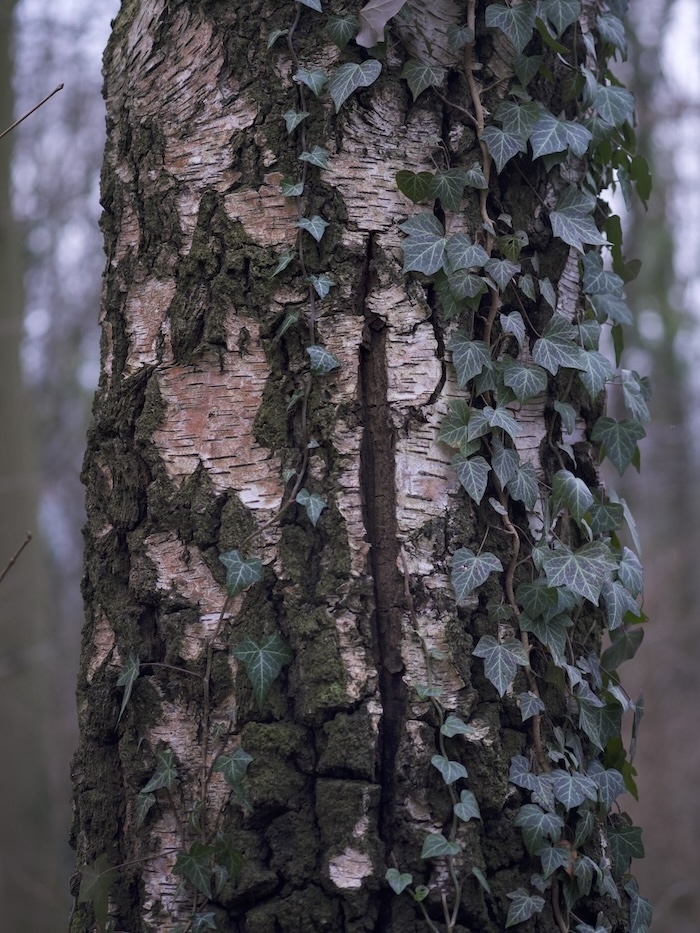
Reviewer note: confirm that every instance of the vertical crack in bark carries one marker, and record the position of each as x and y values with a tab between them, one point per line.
378	472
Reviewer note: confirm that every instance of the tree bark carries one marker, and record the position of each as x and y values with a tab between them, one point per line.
191	437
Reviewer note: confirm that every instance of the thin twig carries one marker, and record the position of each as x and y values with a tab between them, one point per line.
30	112
13	560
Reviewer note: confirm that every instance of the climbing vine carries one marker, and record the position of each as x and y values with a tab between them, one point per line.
523	338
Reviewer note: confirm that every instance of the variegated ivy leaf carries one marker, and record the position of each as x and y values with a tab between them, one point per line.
469	357
619	440
501	660
548	293
583	571
195	866
502	418
615	105
526	284
263	663
464	284
551	631
502	271
240	573
551	352
526	381
554	857
451	771
424	247
420	76
502	146
530	705
550	135
611	307
473	474
524	905
537	599
313	503
127	678
612	30
526	67
322	360
314	80
476	178
523	486
322	283
317	156
505	461
539	785
165	773
571	221
470	570
454	428
349	77
341	29
518	119
538	826
570	492
567	413
517	23
625	844
573	789
610	783
597	280
373	19
291	188
315	225
630	572
449	187
436	846
467	808
453	725
618	601
596	371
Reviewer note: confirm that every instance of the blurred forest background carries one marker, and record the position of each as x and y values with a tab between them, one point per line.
50	267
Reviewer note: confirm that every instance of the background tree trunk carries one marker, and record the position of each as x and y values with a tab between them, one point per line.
191	437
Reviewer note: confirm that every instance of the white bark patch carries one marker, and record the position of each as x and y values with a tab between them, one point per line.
569	286
425	36
268	218
349	869
358	665
102	646
145	314
209	409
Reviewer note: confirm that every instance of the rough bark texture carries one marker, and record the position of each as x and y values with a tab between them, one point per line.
189	442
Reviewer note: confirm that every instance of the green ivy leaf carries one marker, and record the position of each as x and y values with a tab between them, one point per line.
530	705
315	225
313	4
274	36
417	186
635	391
290	189
526	284
611	308
341	29
561	13
610	785
551	352
570	492
459	36
518	119
322	360
600	723
548	293
451	771
612	30
263	663
195	866
619	440
421	76
549	135
469	357
526	67
630	572
475	177
165	773
233	766
554	857
95	883
618	601
127	678
293	118
584	828
144	802
583	571
453	725
317	156
465	284
240	573
640	910
398	881
571	221
503	419
625	844
501	660
624	643
349	77
314	80
505	461
424	247
502	271
595	372
537	598
573	789
598	280
523	486
436	846
524	905
463	254
449	187
551	631
502	146
282	262
539	785
322	284
517	23
513	324
470	570
201	922
606	517
615	105
526	380
313	503
453	430
467	808
473	474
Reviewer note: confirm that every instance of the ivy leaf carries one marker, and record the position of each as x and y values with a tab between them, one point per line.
202	922
398	882
554	857
571	221
469	357
263	663
467	808
240	573
505	461
611	307
313	4
523	486
373	18
624	643
561	13
293	118
526	284
517	23
625	844
551	352
630	572
612	30
551	631
619	440
473	474
463	254
539	785
502	418
526	67
144	802
453	430
600	724
549	135
451	771
349	77
606	517
524	905
572	493
127	678
610	785
233	766
459	36
530	705
424	247
537	599
317	156
195	867
502	146
95	883
470	570
640	910
595	372
314	80
436	845
465	284
636	394
282	262
618	601
322	284
615	105
315	225
573	789
165	773
313	503
500	660
597	280
420	76
291	189
502	271
513	324
518	119
583	571
526	381
341	29
475	177
449	187
322	361
415	185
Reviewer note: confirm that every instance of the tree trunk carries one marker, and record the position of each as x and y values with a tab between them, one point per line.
206	424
